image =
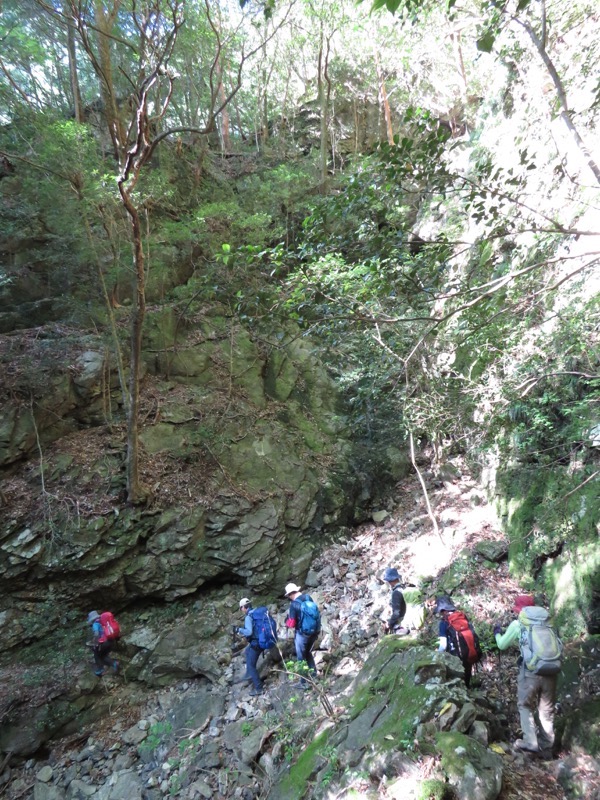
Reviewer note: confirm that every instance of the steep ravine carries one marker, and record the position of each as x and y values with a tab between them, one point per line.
206	738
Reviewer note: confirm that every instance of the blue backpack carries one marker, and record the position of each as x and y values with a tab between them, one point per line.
310	618
264	628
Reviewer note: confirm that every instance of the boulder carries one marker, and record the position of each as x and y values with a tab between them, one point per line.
474	772
492	550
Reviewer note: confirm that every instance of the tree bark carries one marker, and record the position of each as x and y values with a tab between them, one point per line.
565	113
135	493
104	24
225	125
73	75
324	91
384	101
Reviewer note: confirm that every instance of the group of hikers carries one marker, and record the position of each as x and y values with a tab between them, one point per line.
539	661
260	630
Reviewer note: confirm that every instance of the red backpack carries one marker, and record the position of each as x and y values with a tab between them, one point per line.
464	641
110	626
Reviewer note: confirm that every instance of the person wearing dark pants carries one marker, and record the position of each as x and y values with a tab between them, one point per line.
101	646
448	637
252	651
304	618
397	602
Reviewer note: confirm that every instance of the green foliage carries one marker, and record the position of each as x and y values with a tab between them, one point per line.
156	734
294	785
433	789
187	745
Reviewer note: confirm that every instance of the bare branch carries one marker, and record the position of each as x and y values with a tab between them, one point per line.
583	483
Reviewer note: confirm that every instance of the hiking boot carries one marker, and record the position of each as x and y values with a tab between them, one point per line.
257	692
521	744
115	667
99	673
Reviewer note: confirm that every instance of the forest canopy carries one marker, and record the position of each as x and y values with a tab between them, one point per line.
412	184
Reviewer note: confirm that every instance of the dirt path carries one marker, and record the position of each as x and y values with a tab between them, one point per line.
407	540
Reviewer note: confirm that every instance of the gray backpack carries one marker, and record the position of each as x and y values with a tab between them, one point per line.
541	648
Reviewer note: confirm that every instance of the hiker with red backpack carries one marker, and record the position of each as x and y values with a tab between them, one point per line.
106	632
457	636
539	663
260	629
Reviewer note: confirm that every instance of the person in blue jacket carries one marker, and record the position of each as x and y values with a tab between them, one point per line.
253	651
101	646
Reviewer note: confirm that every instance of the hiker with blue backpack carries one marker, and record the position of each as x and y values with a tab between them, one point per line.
539	663
304	618
260	629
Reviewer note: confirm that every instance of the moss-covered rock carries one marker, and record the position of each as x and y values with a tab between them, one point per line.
578	726
396	707
553	520
473	771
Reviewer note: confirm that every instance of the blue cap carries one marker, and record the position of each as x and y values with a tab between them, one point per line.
391	574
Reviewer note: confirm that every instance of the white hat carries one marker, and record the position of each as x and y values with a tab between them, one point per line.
291	587
244	602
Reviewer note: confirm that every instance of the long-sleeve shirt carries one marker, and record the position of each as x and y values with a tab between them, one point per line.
443	634
248	629
98	631
398	608
510	636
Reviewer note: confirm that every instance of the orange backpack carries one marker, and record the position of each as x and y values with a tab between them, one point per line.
466	641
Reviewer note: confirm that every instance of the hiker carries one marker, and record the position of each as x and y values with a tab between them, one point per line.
105	632
457	636
539	663
304	618
393	625
260	630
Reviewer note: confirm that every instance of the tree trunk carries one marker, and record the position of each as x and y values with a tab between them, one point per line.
74	77
324	106
565	114
460	62
384	101
104	25
264	100
135	493
225	126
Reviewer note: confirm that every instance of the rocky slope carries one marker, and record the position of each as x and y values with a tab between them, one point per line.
246	451
388	718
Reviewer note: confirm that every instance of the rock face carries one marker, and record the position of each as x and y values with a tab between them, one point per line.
405	696
246	452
